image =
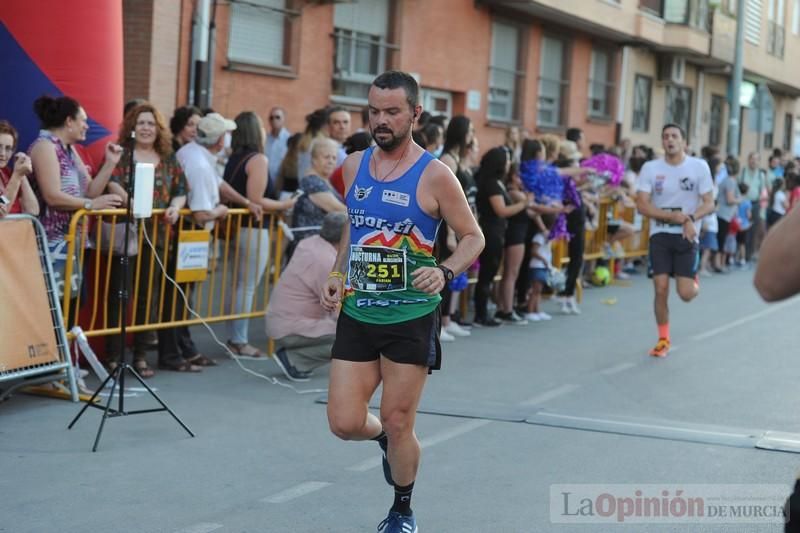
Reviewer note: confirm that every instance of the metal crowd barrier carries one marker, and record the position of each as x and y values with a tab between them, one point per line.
58	366
89	307
635	246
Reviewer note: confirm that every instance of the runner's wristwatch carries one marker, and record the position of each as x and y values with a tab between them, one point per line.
448	274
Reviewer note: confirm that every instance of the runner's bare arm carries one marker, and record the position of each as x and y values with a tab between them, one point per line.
441	195
707	207
778	273
454	210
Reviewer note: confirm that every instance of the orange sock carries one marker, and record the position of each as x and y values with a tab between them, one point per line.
663	331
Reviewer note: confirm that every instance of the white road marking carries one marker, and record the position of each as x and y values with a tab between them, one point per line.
453	432
433	440
610	371
551	394
295	492
204	527
744	320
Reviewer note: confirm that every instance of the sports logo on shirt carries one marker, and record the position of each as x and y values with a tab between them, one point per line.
397	198
687	184
362	193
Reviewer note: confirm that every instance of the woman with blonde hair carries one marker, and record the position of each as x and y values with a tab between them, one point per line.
319	198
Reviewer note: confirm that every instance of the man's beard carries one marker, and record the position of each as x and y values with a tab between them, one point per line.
389	145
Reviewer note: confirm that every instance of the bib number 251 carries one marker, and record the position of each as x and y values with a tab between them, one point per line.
377	268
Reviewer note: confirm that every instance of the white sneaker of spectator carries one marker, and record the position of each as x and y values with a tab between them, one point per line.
537	317
455	330
444	336
570	307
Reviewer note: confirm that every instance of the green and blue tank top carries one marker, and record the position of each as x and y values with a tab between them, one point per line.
390	237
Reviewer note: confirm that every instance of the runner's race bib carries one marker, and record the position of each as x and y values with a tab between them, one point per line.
377	269
662	223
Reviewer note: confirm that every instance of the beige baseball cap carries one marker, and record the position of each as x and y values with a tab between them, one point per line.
213	126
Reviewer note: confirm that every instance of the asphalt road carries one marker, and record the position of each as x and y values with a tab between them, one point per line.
264	461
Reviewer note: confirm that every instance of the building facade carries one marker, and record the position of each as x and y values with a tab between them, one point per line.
615	68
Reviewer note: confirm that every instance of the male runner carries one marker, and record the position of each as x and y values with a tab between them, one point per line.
388	330
676	193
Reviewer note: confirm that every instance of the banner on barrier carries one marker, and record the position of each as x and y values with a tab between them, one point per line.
26	325
193	249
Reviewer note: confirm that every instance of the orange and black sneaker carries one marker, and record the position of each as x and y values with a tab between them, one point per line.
661	349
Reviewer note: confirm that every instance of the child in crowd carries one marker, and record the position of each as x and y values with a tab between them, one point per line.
778	202
792	185
539	268
745	216
730	247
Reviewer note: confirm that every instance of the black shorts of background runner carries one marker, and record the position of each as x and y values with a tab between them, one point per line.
673	255
413	342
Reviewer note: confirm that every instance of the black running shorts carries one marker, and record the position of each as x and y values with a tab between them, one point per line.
673	255
414	342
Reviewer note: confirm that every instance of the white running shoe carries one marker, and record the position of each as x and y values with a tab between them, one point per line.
544	316
533	317
573	305
444	336
455	330
566	308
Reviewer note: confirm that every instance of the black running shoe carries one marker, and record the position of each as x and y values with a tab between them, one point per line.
487	322
281	359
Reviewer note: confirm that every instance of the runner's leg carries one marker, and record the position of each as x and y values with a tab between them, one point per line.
687	288
352	384
402	388
661	286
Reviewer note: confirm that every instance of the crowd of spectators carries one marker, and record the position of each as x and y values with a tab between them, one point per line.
526	194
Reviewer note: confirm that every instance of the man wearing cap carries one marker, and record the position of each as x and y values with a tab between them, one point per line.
199	161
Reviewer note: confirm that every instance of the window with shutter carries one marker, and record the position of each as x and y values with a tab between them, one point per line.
601	84
361	32
552	82
259	33
642	88
504	72
679	107
752	21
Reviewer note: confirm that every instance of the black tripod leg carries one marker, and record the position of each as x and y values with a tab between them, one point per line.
154	395
91	400
105	411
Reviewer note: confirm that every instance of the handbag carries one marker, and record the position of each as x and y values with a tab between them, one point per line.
106	229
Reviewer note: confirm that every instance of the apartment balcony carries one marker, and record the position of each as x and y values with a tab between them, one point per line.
723	36
611	20
680	26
